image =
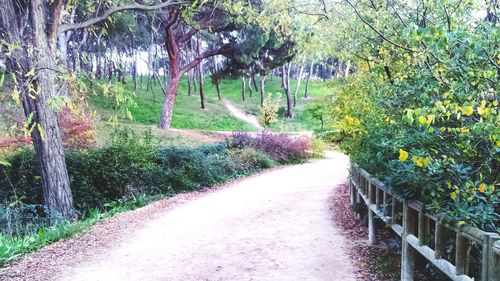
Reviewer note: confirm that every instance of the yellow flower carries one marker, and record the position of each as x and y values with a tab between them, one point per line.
482	187
403	155
427	160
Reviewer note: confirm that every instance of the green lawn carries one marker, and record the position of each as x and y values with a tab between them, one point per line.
189	115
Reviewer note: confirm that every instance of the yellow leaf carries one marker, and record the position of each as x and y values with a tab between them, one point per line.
481	110
468	110
482	187
460	223
422	120
453	195
403	155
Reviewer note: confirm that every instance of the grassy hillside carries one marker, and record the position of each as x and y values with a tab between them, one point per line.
189	115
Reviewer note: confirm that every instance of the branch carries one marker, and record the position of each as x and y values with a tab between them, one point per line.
111	11
374	29
56	21
199	58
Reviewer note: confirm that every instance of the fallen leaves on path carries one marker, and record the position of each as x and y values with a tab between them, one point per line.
371	263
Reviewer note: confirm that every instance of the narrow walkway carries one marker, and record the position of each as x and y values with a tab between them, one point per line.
274	226
238	113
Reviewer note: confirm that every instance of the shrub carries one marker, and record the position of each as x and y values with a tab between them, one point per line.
250	159
318	147
191	169
269	109
77	130
281	147
97	175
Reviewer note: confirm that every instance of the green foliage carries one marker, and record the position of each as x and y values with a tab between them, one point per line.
128	165
190	169
251	159
318	147
422	111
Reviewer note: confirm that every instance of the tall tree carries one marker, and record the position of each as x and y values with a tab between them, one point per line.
33	65
179	31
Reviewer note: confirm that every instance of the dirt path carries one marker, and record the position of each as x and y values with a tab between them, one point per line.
238	113
275	226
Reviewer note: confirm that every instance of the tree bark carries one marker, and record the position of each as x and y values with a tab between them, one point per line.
311	68
189	84
285	84
262	89
250	86
168	102
243	88
297	86
254	83
46	135
201	75
217	87
202	91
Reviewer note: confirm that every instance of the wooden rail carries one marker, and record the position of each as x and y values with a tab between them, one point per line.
423	232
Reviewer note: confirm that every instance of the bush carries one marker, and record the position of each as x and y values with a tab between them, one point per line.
97	175
190	169
126	166
269	109
318	147
251	159
282	148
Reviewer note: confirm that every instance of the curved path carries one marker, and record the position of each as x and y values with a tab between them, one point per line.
274	226
240	114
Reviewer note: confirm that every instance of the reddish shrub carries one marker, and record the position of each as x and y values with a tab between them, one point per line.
12	143
279	146
77	131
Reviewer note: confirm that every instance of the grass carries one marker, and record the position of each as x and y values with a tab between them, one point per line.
189	115
12	247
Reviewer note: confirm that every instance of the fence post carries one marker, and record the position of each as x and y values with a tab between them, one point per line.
394	210
490	269
407	252
461	255
372	237
352	192
423	228
495	265
440	240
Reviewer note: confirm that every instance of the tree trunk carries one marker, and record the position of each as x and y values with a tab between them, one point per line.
189	84
311	66
347	69
202	91
262	89
250	86
297	85
243	88
168	102
254	83
217	87
46	135
201	76
286	87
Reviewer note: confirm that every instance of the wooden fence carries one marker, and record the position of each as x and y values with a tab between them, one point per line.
424	233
